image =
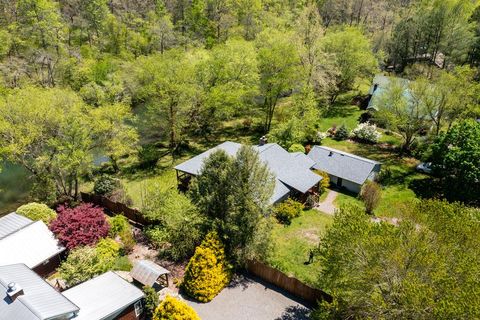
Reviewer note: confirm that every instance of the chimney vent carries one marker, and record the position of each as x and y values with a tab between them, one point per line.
14	291
263	141
330	154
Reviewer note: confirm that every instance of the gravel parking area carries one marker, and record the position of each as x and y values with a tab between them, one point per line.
249	298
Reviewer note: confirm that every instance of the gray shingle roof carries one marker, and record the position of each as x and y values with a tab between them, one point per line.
11	223
342	164
103	296
147	272
305	161
290	171
39	300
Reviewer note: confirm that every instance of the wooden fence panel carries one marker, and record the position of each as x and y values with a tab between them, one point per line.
289	284
116	208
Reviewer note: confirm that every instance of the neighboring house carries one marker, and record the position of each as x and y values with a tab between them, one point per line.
293	176
30	242
344	169
380	84
26	296
107	297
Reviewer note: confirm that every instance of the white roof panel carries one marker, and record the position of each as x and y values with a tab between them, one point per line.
11	223
103	296
39	299
147	272
31	245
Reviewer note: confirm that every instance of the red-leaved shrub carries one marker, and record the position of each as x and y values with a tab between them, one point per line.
80	226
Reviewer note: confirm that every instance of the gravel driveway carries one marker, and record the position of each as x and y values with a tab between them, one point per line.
251	299
327	206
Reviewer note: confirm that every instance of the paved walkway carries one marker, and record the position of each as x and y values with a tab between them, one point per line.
328	205
251	298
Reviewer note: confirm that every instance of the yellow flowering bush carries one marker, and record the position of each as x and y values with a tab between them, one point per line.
207	272
174	309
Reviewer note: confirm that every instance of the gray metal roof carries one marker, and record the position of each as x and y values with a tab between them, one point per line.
342	164
147	272
39	299
290	171
31	245
11	223
103	296
302	158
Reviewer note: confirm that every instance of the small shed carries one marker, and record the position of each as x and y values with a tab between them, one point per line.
148	273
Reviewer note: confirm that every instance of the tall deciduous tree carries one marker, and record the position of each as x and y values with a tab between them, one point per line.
402	271
279	64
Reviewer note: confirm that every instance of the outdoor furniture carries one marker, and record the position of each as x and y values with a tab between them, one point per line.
149	273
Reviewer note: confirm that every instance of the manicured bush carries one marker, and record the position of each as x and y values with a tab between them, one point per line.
207	272
174	309
80	226
37	211
108	250
81	265
105	185
296	147
341	134
366	132
288	210
151	301
371	194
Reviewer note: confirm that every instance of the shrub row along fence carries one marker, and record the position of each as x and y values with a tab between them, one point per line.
292	285
116	208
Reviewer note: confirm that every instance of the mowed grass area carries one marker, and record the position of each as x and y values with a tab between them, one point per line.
292	245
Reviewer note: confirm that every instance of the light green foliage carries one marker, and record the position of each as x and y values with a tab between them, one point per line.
178	225
325	183
107	250
105	185
296	148
234	194
455	157
151	301
37	211
352	55
288	210
171	308
406	270
207	272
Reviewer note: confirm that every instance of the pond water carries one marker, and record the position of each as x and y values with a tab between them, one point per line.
14	187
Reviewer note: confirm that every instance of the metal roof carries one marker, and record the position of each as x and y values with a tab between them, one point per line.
39	299
11	223
303	159
147	272
31	245
342	164
103	296
290	170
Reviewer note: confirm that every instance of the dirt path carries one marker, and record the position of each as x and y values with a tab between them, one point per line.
327	206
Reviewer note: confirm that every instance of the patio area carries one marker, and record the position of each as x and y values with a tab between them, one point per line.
251	298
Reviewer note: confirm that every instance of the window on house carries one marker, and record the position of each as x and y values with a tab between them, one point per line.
138	308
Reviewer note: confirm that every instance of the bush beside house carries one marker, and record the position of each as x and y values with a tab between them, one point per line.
207	272
288	210
174	309
37	211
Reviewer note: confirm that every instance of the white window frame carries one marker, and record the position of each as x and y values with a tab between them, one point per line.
138	308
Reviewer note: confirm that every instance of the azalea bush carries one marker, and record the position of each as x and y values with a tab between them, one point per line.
288	210
37	211
207	272
80	226
174	309
366	132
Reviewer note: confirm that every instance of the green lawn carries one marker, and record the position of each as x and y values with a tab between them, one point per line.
292	244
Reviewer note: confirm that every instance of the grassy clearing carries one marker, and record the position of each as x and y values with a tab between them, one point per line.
292	244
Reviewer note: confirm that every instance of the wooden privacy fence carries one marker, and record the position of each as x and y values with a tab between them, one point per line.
116	208
293	286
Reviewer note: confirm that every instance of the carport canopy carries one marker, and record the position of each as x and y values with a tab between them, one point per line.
148	273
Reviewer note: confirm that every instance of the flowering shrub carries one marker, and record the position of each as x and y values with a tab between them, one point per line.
287	210
207	272
320	136
37	211
366	132
172	308
80	226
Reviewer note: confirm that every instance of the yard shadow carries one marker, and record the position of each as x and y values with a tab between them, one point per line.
240	280
426	188
295	313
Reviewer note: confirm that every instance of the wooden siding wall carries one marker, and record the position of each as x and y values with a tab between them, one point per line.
292	285
116	208
45	270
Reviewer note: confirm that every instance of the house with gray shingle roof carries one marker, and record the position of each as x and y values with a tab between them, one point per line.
292	171
345	170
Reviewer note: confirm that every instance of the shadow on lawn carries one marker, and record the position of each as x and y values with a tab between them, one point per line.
295	313
426	188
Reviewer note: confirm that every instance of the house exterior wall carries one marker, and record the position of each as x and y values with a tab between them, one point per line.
48	267
347	184
126	314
